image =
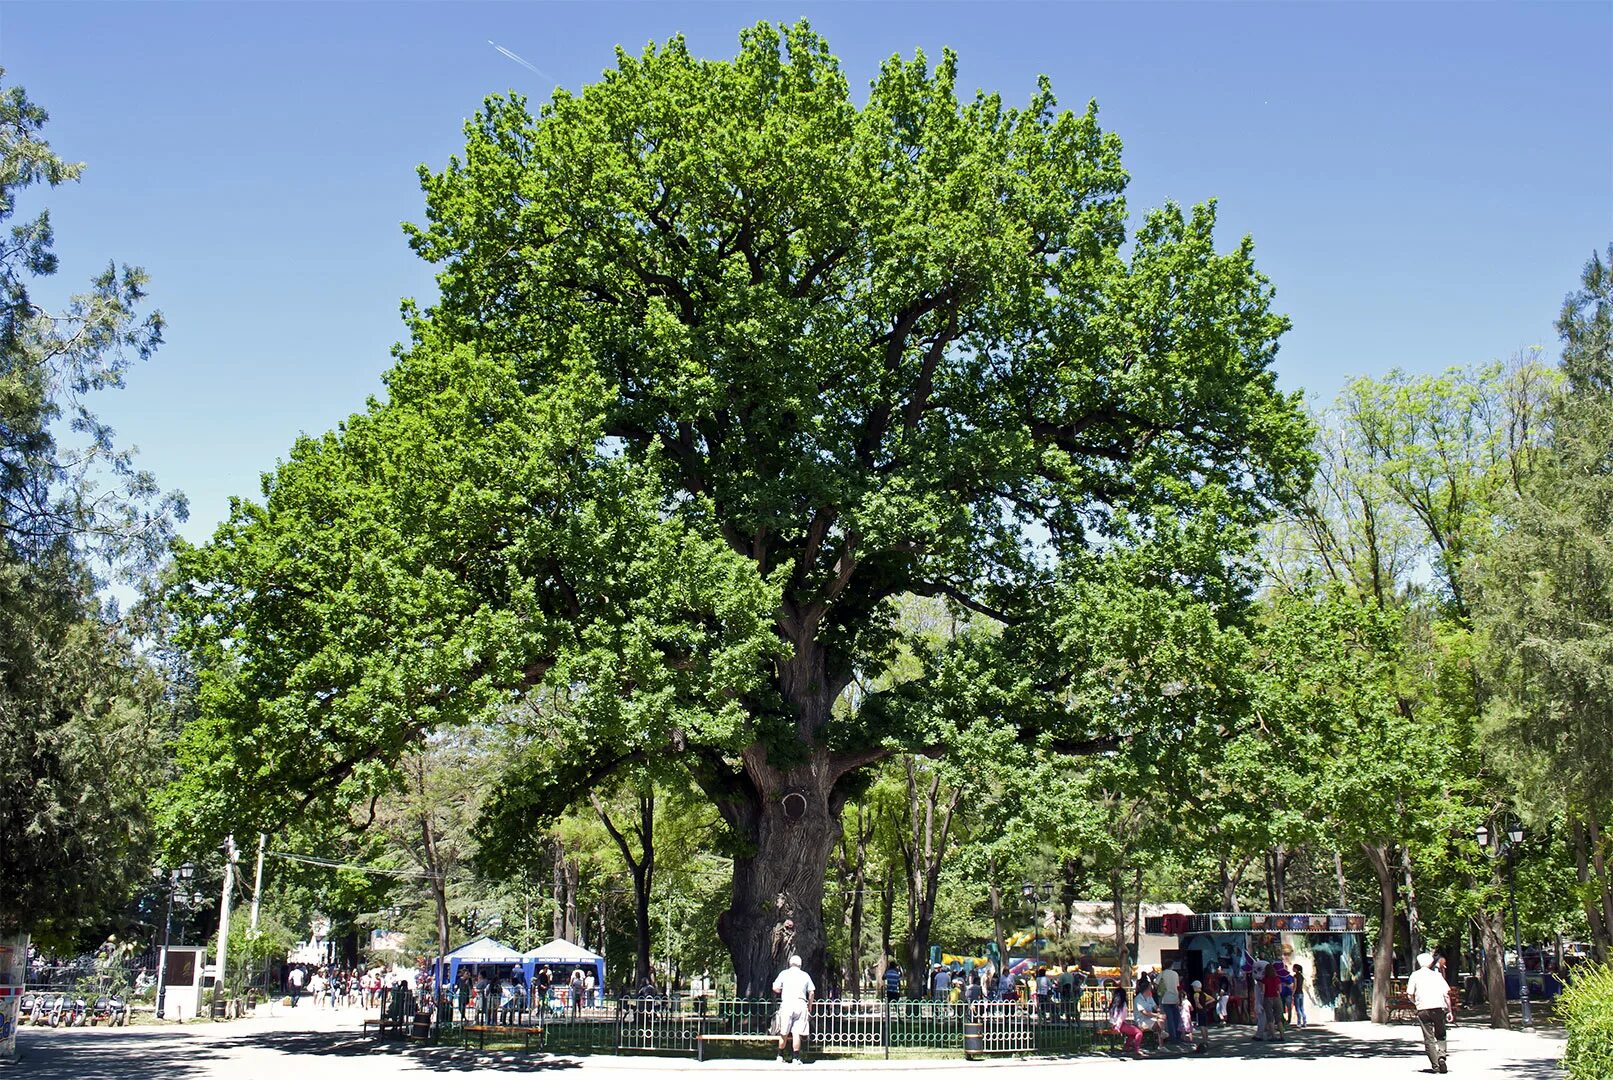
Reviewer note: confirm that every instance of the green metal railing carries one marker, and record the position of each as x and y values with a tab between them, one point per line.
839	1027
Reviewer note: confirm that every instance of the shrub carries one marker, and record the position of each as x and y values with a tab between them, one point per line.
1587	1010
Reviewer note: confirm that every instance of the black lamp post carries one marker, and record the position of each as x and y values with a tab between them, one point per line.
175	876
1505	844
1032	894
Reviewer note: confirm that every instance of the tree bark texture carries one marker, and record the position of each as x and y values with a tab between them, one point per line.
1493	939
788	821
1380	858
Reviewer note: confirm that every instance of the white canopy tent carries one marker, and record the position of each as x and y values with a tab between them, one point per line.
561	956
484	951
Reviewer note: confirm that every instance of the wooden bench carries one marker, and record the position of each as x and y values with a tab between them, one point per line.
383	1025
482	1031
1401	1007
718	1036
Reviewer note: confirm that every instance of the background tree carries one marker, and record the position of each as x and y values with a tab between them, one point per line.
82	714
1547	603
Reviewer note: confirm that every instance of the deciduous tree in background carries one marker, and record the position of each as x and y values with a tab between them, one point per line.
1547	603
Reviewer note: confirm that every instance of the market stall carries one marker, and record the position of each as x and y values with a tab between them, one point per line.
561	957
1331	947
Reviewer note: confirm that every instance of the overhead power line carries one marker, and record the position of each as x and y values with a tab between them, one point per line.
337	864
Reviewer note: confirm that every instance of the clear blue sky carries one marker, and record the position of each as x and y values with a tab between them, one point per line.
1423	182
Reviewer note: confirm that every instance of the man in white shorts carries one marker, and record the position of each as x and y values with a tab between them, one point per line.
796	991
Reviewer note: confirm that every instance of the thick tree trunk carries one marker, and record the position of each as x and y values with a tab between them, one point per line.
783	807
1493	938
1338	871
1379	856
789	822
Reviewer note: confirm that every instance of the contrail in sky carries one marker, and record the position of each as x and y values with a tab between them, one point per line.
519	60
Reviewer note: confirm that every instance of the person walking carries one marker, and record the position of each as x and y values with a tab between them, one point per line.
577	990
1299	996
893	982
1168	985
294	985
796	991
1431	996
1271	989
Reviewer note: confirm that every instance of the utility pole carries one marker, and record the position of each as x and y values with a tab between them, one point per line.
224	917
257	881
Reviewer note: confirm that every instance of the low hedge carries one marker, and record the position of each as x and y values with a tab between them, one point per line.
1587	1009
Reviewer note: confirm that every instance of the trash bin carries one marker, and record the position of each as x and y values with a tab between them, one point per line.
974	1040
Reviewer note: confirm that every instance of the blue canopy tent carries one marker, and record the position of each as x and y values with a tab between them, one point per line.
483	952
561	956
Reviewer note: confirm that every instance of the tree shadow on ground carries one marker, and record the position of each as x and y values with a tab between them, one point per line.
350	1045
180	1056
1320	1043
114	1057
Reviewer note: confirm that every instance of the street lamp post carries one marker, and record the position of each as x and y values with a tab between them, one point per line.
1506	842
1031	894
183	872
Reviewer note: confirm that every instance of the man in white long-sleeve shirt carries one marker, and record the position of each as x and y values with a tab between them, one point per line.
1431	996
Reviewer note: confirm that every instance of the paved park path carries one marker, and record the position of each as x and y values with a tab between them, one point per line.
305	1044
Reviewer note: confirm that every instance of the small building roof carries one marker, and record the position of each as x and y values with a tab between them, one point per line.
561	951
484	950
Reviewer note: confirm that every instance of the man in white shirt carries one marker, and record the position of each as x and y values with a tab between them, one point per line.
1168	988
294	981
1431	996
796	991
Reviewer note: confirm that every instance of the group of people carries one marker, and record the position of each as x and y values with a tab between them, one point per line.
1041	989
1268	994
494	995
333	987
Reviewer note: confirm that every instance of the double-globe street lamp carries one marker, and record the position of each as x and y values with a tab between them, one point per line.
1032	894
179	888
1506	843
